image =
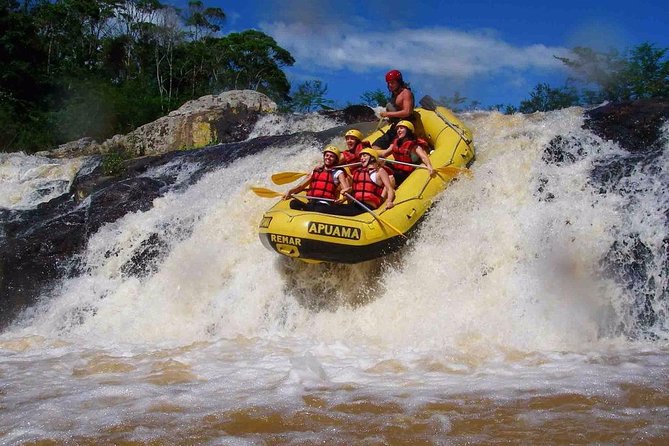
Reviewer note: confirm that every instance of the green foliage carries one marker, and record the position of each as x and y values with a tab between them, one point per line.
458	103
647	74
88	110
642	73
376	98
73	68
29	130
506	109
309	96
113	163
544	98
246	60
202	20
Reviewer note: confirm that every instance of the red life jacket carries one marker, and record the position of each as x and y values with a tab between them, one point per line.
406	153
322	184
365	190
353	156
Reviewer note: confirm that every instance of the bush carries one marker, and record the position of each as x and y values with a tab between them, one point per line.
113	163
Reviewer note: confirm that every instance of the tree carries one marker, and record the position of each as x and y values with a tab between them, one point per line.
72	32
23	81
203	20
247	60
642	73
507	109
72	68
544	98
647	75
458	103
309	95
376	98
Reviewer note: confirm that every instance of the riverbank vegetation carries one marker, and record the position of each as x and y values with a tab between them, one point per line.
75	68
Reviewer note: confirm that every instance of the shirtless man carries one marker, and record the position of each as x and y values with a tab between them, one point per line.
399	108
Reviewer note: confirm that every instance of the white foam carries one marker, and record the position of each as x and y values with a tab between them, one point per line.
28	180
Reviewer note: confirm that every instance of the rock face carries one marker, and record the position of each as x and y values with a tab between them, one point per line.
352	114
213	119
635	126
39	246
228	117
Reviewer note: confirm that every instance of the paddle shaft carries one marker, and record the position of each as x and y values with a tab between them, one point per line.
420	166
428	103
443	169
280	178
269	193
376	217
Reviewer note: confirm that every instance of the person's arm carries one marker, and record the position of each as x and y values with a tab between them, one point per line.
405	103
344	184
384	153
299	188
385	180
422	154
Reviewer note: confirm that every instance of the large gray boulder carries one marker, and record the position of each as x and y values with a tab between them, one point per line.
211	119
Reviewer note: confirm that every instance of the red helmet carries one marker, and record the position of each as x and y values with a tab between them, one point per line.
394	75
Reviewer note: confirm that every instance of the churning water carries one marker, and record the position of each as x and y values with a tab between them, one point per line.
513	316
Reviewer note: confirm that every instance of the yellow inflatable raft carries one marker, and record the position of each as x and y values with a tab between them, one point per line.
316	237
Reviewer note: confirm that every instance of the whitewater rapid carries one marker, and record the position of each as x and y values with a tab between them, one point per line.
502	293
493	265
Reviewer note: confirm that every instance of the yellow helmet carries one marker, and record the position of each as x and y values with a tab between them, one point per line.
406	124
332	149
355	133
371	152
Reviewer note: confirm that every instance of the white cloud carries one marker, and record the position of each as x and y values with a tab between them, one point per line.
437	51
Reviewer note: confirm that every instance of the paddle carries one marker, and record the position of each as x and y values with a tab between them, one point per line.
444	169
428	104
376	217
269	193
265	193
288	177
380	124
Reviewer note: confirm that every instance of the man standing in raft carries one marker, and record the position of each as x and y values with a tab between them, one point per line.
325	183
399	108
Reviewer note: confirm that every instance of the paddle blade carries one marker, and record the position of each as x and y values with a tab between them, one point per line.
385	222
265	193
453	171
286	177
428	103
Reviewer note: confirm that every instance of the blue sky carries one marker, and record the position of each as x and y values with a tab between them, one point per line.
490	51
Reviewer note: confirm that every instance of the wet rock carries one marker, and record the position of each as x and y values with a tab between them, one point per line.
352	114
563	150
627	263
228	117
145	260
212	119
635	126
40	246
